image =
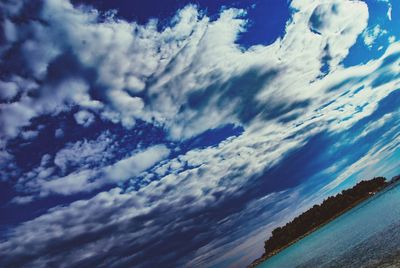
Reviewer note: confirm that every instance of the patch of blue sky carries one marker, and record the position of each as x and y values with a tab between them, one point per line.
387	105
297	167
267	22
391	166
383	28
355	138
387	167
320	161
333	162
333	153
348	183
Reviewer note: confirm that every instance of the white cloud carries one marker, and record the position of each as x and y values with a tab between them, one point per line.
9	30
84	153
8	90
84	118
30	134
87	180
59	133
21	200
129	57
375	125
73	183
133	165
371	35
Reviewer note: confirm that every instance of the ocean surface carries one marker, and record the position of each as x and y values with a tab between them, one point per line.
366	236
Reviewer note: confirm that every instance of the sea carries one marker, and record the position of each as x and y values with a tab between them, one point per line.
366	236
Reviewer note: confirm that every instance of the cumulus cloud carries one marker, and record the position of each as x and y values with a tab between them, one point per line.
59	133
371	35
8	90
85	153
84	118
91	171
146	61
133	165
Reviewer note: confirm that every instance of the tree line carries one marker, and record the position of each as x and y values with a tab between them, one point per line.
320	214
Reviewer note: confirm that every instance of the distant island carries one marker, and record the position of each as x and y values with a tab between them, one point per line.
319	215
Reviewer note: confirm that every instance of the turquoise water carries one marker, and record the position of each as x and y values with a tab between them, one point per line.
366	236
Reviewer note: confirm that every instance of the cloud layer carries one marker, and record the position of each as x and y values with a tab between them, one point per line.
101	111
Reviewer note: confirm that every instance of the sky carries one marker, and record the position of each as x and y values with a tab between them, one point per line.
179	134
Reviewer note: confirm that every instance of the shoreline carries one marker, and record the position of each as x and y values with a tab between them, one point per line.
263	258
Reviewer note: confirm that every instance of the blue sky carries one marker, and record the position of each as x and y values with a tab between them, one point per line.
139	133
